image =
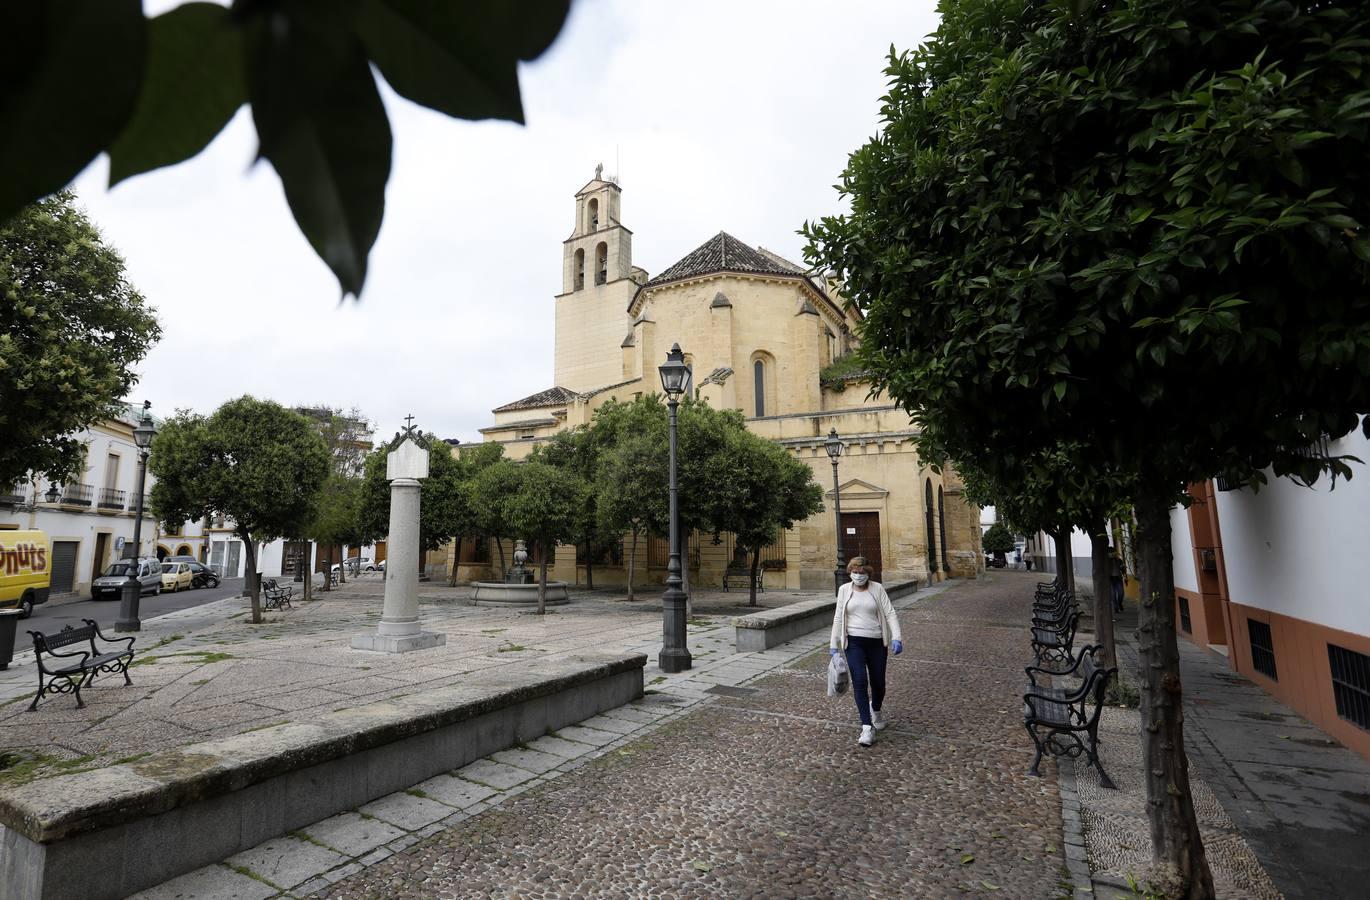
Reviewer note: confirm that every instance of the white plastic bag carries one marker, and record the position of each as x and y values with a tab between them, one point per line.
839	676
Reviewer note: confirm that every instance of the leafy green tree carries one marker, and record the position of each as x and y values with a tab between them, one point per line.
71	330
474	459
632	493
1136	227
760	491
489	490
86	76
336	521
252	461
998	540
543	508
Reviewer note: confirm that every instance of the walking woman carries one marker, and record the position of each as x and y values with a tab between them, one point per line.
865	627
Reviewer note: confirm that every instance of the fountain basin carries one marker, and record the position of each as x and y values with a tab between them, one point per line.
497	593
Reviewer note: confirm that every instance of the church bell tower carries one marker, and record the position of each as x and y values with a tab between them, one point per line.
597	284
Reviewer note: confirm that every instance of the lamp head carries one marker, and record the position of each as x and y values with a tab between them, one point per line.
53	493
833	445
674	372
144	433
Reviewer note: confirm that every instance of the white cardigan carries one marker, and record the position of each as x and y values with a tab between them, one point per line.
889	622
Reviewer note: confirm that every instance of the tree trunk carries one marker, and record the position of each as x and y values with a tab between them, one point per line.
342	567
308	565
542	582
456	564
1175	836
503	566
1065	563
254	581
632	564
589	565
1103	592
756	564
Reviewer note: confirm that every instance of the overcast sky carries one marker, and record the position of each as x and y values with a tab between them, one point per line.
733	116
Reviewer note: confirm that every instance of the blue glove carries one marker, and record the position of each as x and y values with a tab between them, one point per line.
833	651
898	647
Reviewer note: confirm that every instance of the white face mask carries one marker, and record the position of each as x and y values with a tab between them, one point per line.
859	579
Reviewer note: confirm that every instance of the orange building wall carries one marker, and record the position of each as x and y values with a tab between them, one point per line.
1305	674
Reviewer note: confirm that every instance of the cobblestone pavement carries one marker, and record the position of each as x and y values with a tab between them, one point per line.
766	793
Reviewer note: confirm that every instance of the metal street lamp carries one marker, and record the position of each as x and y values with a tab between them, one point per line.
53	493
674	656
834	446
133	588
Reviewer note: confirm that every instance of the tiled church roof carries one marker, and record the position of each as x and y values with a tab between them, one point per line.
551	397
725	253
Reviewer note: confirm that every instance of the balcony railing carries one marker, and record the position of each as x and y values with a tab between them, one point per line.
16	496
111	499
78	494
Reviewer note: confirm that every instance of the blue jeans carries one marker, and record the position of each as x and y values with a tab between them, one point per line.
867	655
1117	585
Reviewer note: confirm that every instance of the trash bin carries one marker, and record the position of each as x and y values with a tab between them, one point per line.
9	622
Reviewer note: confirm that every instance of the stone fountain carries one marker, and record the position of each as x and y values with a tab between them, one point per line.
519	587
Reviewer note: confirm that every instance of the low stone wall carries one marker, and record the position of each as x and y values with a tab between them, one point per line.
115	831
772	627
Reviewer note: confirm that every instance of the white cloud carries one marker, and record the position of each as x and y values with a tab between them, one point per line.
717	116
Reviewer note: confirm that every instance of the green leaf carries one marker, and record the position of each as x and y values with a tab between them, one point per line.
1060	389
1361	247
191	89
967	858
70	72
322	125
702	866
459	59
1340	221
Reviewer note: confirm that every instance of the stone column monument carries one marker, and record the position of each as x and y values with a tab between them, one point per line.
399	630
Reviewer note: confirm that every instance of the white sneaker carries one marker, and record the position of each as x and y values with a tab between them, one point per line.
878	720
867	736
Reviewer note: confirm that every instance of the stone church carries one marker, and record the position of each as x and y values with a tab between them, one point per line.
758	331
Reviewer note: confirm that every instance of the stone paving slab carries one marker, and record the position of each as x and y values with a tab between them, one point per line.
285	862
211	883
354	834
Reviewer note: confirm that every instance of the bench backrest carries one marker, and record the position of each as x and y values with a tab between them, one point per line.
66	637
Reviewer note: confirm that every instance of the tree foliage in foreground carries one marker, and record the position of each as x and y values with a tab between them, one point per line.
1137	228
252	461
81	77
71	330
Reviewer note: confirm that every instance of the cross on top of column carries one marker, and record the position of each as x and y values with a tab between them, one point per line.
409	424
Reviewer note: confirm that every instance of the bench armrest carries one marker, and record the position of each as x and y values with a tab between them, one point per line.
109	640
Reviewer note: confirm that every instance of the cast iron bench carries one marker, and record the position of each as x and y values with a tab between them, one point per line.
69	678
743	575
276	596
1053	642
1064	721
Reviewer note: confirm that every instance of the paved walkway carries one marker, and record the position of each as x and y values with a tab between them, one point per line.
754	787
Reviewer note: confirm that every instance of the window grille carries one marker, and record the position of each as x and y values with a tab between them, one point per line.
1351	684
1262	649
1185	621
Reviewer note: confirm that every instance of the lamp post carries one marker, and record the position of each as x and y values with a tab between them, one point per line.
675	656
133	588
834	446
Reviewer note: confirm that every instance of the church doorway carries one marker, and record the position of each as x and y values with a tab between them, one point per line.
861	537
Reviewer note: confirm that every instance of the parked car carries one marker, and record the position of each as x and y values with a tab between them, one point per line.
201	574
356	564
26	575
177	576
110	584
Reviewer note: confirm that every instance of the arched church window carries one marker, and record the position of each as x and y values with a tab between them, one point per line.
759	378
601	263
942	530
594	215
928	519
580	270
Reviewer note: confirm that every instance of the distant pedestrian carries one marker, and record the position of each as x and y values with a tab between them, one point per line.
1027	558
1115	580
865	626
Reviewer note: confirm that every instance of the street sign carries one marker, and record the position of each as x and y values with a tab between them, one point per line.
119	544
